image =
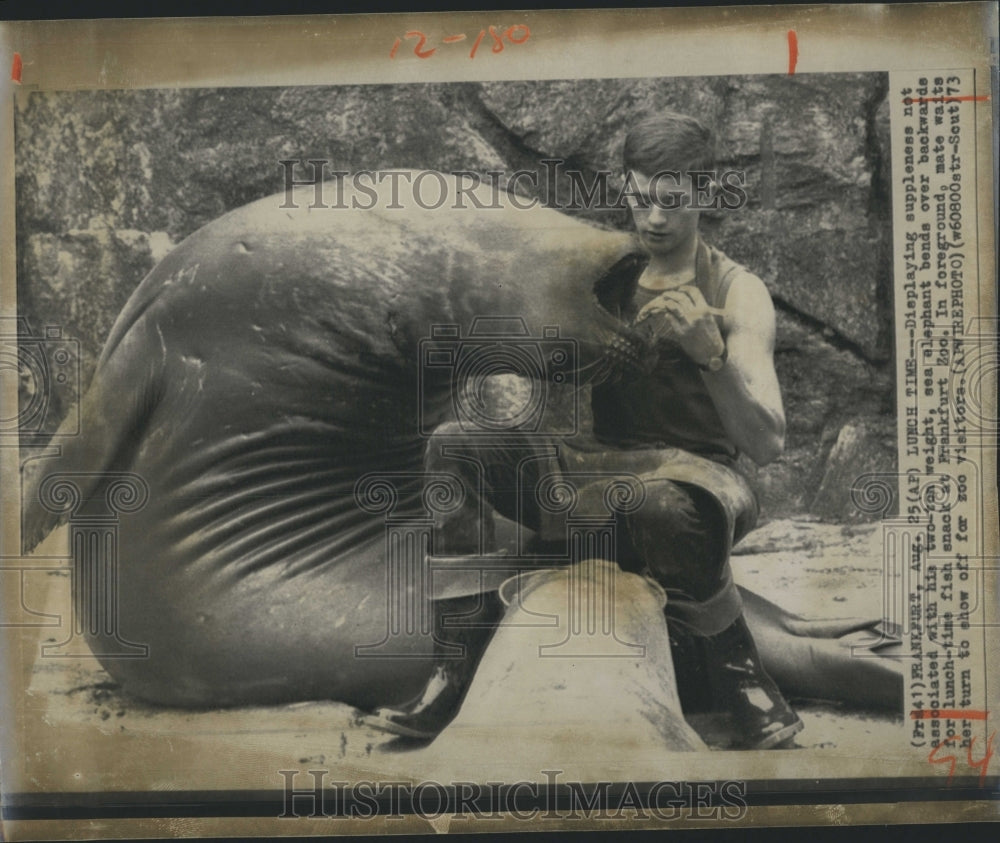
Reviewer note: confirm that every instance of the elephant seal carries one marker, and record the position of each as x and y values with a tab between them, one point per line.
267	365
263	367
854	661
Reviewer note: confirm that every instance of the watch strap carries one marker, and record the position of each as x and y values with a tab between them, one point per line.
717	362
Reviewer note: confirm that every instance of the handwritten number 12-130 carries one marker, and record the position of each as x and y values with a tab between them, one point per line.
516	34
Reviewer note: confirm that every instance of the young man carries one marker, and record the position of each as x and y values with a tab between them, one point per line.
712	394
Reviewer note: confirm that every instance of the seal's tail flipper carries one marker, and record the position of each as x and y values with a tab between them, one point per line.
850	661
123	393
827	628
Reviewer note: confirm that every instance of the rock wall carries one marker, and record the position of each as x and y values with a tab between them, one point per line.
108	181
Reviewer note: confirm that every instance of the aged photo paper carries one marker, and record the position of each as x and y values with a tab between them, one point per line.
466	422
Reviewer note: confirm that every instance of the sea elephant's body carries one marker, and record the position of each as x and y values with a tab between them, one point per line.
255	375
261	370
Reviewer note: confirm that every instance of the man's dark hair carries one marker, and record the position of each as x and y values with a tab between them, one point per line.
668	140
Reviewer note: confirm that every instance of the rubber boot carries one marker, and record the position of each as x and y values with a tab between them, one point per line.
722	675
457	653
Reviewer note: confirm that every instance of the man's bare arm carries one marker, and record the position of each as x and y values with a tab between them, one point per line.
745	390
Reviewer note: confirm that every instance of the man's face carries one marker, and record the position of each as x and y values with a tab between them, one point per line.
662	214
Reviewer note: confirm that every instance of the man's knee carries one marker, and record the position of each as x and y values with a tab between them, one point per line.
679	534
670	510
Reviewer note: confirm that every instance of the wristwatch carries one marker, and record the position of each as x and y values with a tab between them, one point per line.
717	362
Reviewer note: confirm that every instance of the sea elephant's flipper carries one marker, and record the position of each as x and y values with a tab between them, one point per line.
850	661
111	414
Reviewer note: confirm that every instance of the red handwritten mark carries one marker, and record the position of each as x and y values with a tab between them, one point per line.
948	759
982	764
15	68
793	51
509	33
948	714
475	46
419	50
497	40
516	34
917	100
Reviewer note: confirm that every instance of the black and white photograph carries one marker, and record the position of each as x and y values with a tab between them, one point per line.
606	444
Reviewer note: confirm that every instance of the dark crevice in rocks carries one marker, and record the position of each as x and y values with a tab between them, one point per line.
513	149
22	282
518	154
831	336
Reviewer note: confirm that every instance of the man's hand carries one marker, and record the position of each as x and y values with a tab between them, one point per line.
745	390
683	316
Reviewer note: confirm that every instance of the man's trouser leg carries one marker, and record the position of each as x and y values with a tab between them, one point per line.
497	475
680	536
463	627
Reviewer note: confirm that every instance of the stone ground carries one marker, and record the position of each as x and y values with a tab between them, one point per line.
820	570
810	568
